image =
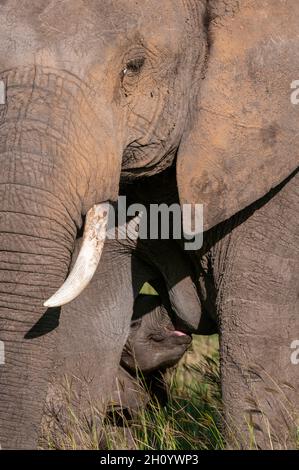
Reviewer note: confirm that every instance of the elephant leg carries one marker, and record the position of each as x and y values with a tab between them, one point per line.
258	307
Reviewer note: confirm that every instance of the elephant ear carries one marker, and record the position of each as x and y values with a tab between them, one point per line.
244	139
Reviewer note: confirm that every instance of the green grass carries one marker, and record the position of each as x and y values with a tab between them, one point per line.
147	289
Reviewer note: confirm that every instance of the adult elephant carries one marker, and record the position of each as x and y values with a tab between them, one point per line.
239	158
91	86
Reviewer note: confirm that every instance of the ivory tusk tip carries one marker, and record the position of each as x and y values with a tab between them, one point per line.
57	300
88	258
51	303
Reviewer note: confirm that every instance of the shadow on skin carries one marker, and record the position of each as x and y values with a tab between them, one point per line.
47	323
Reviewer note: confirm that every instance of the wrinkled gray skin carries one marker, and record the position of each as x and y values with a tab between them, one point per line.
100	89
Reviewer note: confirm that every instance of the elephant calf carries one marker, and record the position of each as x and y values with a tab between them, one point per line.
153	346
153	343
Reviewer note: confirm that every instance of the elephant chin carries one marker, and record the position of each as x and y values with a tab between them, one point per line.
88	259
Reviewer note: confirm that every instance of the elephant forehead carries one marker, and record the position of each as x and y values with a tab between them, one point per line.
70	29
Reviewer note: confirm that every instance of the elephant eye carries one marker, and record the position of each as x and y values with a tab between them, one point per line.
133	67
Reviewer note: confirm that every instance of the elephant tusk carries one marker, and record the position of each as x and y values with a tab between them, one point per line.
88	259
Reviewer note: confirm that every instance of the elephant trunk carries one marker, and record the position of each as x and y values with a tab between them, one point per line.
34	259
47	183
